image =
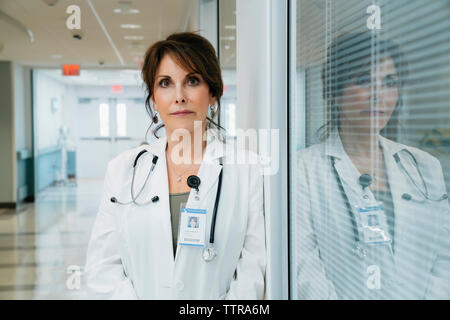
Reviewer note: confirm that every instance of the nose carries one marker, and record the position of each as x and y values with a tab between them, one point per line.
377	93
180	96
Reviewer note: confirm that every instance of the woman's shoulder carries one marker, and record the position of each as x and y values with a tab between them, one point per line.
313	152
421	156
125	159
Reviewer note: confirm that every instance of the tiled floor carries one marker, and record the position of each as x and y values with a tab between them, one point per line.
39	241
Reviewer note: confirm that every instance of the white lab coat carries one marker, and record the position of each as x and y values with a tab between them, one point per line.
326	266
130	253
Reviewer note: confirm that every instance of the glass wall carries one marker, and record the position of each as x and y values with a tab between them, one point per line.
370	149
227	55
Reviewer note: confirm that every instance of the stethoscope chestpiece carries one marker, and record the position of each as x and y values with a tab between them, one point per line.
209	253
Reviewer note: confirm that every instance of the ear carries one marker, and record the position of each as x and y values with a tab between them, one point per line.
212	100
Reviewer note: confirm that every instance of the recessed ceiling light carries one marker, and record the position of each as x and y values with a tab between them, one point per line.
134	37
136	46
130	26
125	8
231	38
56	56
130	11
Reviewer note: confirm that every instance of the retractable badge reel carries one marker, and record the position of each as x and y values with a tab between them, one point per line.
372	218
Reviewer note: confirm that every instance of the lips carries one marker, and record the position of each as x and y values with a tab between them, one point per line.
181	113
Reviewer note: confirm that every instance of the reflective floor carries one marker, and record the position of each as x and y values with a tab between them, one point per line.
41	243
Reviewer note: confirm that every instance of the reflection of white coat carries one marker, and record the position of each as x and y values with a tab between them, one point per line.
130	252
327	266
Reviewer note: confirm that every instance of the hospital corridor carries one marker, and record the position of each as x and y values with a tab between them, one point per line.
224	150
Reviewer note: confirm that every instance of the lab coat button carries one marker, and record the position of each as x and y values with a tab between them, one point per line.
179	286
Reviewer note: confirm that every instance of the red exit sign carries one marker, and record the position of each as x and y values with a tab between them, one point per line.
71	69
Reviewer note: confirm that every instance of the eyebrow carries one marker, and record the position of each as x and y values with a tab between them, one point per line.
187	75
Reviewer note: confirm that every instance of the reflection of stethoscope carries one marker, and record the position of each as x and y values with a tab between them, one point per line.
423	192
209	252
365	180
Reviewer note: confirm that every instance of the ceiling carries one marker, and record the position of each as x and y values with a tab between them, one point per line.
125	77
54	44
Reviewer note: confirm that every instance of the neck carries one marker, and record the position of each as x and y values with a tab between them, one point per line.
359	144
185	147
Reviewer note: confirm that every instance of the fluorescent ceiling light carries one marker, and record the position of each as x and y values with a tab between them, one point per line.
231	38
134	37
130	11
136	46
230	27
130	26
56	56
125	8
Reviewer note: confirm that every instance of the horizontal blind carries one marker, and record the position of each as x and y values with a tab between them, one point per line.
351	79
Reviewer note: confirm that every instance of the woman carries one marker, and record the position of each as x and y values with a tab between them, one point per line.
369	226
141	246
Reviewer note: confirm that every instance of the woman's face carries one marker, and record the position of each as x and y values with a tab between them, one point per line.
179	96
361	109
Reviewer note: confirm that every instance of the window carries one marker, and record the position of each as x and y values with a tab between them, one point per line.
121	117
369	149
104	119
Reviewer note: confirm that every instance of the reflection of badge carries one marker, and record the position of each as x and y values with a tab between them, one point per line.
192	227
373	224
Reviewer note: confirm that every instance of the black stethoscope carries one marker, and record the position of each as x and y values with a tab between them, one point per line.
365	180
209	251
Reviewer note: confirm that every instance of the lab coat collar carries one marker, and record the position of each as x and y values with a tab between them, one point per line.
214	147
333	146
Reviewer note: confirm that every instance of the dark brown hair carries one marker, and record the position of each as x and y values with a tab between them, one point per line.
192	52
348	55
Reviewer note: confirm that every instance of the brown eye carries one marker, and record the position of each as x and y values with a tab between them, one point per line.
164	83
193	81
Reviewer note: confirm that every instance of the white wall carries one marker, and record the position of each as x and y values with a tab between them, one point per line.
47	122
22	107
7	156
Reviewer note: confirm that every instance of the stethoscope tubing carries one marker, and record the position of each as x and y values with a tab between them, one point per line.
155	159
425	193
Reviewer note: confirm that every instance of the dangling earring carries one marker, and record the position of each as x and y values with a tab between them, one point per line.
212	108
155	117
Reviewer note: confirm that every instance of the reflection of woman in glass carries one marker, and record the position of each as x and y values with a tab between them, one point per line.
363	78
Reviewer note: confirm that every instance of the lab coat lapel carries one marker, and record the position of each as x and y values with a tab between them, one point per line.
345	168
408	215
159	149
209	168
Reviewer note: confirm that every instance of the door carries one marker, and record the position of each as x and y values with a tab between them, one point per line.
107	127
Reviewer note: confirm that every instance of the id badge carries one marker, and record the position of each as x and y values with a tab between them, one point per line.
192	227
373	224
